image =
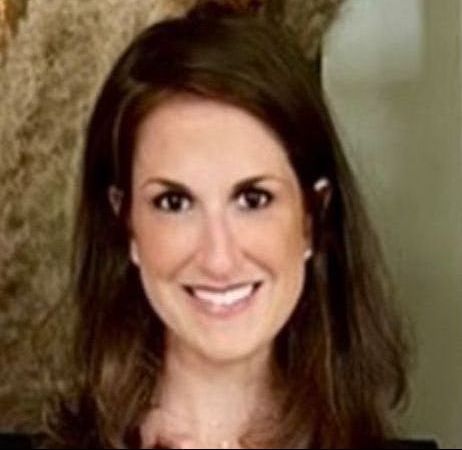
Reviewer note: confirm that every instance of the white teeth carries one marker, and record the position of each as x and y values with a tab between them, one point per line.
227	298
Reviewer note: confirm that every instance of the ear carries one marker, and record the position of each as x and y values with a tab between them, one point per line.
115	196
134	254
323	188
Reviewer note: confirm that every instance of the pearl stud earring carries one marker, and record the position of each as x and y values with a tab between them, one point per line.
308	254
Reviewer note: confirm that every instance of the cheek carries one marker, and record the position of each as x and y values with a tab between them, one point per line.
162	246
279	244
278	237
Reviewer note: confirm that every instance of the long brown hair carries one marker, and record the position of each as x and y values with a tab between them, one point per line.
341	358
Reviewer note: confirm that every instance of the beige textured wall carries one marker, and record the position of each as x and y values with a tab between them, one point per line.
393	73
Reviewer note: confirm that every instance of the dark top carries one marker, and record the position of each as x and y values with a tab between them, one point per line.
15	441
23	441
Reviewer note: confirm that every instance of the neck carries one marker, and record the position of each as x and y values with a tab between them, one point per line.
216	399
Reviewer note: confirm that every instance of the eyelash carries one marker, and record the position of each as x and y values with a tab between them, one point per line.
158	201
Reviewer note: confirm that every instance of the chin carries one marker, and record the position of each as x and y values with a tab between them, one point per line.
228	352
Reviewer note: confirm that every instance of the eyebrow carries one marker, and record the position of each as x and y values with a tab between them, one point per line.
248	182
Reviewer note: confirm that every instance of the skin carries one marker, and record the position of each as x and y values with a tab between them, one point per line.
210	233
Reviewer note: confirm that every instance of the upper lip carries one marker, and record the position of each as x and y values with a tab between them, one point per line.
221	289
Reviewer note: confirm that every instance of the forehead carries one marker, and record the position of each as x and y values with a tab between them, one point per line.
197	133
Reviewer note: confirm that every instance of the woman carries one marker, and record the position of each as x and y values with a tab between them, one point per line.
229	289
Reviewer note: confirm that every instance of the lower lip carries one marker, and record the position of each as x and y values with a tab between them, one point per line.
224	312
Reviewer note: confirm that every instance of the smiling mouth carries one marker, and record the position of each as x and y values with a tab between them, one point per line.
224	297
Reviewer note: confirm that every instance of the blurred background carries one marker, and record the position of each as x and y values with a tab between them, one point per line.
392	70
393	73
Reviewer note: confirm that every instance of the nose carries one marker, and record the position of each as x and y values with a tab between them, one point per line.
219	253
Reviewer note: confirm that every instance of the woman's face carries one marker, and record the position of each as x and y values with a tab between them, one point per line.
216	205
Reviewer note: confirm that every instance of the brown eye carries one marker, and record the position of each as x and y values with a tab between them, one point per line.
171	202
256	198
